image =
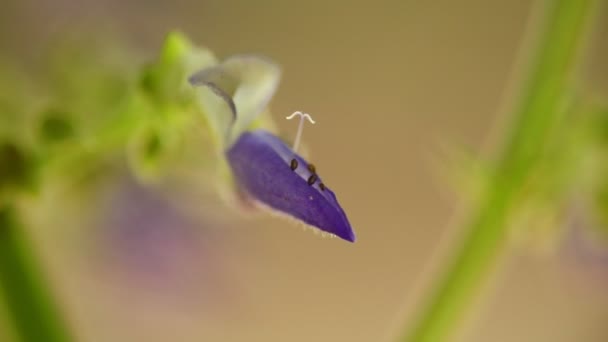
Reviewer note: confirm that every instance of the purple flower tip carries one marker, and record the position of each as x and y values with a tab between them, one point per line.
270	172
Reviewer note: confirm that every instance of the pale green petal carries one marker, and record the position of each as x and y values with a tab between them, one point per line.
259	81
236	92
214	89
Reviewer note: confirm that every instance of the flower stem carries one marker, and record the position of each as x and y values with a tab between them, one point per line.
536	112
29	304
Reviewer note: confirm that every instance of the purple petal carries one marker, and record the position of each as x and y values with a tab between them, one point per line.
261	163
155	245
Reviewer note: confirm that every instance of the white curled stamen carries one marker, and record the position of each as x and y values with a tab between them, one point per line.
302	116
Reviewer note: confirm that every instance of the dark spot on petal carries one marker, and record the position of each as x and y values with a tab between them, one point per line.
322	186
312	179
294	164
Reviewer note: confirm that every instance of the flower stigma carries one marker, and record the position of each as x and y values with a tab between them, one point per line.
302	116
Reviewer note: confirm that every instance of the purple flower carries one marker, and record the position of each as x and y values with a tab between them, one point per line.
233	94
155	252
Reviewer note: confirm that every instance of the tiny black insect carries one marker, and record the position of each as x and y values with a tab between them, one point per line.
312	179
312	168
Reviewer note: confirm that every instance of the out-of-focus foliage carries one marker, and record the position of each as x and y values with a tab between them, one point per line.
567	174
94	101
93	108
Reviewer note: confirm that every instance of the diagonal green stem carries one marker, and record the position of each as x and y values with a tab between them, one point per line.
29	304
537	111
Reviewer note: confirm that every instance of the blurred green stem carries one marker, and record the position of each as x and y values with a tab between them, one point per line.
536	112
26	294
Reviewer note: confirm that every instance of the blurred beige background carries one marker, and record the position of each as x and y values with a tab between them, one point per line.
391	84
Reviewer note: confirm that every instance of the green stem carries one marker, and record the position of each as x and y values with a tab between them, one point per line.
537	111
29	304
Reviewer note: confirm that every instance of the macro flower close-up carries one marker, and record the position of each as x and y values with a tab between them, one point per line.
265	169
262	171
